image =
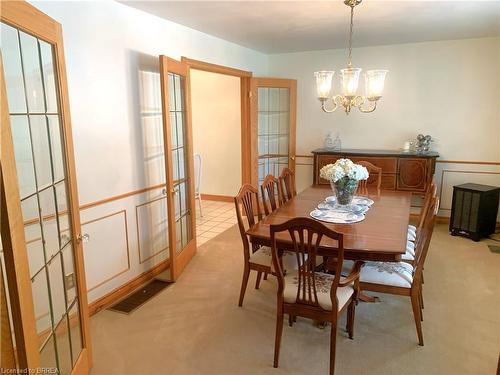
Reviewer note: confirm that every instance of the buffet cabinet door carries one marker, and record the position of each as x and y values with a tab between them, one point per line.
412	174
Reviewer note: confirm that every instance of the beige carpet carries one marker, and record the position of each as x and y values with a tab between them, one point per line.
196	327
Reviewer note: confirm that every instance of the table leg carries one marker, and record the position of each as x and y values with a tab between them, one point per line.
366	298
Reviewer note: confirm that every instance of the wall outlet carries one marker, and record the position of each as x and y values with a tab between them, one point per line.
70	281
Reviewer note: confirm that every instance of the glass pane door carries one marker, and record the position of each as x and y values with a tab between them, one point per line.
179	163
273	109
36	122
180	176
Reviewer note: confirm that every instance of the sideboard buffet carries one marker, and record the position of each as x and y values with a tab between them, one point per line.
403	171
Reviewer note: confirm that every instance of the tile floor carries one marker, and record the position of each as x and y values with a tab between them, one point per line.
217	217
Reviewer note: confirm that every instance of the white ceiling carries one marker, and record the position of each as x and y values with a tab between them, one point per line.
289	26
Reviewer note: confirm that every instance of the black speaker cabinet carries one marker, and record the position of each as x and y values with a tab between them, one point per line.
474	210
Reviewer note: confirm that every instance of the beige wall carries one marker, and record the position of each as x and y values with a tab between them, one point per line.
448	89
114	92
216	117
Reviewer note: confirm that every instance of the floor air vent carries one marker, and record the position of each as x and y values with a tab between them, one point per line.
139	297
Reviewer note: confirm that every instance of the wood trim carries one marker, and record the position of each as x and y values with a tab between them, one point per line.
246	131
274	82
218	198
7	356
23	16
468	162
439	219
82	363
120	196
13	238
440	161
305	156
146	189
214	68
456	171
128	247
127	288
245	77
292	141
141	261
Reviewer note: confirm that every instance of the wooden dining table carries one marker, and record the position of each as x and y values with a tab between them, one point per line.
381	236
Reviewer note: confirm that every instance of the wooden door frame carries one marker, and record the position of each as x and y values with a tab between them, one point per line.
254	126
27	18
245	78
177	261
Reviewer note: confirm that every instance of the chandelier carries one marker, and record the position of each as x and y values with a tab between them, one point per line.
349	79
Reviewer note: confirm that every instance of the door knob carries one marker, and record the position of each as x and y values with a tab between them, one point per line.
292	157
83	238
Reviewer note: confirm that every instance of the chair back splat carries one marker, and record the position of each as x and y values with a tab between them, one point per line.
424	240
372	169
287	184
271	194
247	209
306	235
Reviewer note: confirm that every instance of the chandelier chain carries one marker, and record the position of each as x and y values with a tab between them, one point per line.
351	26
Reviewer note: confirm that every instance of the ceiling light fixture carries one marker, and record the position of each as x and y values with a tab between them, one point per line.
349	79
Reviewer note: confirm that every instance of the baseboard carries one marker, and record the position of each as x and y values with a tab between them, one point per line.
127	288
219	198
439	219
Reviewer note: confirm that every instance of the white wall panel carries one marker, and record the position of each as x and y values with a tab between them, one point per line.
107	249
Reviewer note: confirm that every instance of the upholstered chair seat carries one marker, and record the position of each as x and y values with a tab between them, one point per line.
410	247
399	274
323	282
411	235
408	257
263	257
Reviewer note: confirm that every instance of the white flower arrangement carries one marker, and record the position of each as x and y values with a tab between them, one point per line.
344	168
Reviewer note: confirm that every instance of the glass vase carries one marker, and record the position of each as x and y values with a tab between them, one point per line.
344	189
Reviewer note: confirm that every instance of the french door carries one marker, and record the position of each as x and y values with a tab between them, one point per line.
273	103
40	224
179	164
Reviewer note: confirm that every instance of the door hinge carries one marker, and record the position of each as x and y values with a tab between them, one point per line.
250	94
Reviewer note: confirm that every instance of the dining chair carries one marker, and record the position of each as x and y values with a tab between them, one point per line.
287	184
305	292
401	278
430	193
271	188
197	180
257	258
363	184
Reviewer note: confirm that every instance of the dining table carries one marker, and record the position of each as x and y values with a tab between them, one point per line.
380	236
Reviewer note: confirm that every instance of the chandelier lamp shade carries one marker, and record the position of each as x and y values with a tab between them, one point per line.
349	82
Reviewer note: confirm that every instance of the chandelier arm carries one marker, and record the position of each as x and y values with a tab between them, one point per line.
323	105
358	101
370	109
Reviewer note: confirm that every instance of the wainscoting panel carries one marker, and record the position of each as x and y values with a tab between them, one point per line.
303	172
152	229
107	251
451	174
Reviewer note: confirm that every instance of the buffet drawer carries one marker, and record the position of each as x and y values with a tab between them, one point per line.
388	165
